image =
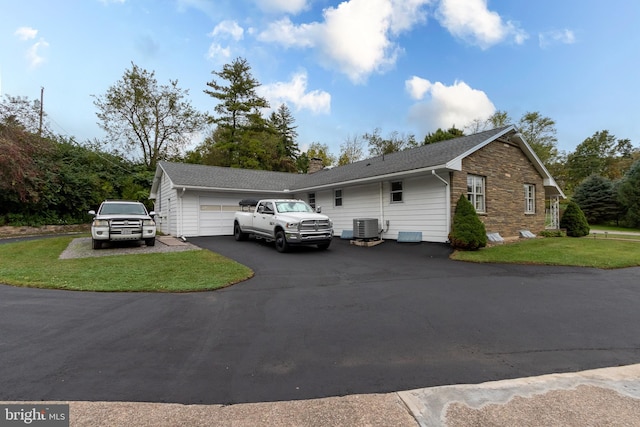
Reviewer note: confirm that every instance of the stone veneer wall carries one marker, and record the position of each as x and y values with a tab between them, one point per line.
506	169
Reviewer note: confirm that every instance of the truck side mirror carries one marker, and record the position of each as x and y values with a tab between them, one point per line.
261	209
92	212
319	209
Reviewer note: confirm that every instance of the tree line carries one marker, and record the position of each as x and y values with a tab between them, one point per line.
49	178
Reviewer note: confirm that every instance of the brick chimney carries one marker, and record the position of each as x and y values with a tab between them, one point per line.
315	165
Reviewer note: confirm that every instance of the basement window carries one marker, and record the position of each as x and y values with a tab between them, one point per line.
396	191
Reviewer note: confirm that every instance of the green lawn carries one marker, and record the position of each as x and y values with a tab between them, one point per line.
582	252
35	264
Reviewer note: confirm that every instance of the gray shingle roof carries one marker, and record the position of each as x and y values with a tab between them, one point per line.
423	157
190	175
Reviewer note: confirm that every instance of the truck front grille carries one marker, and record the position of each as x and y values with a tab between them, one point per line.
126	226
315	225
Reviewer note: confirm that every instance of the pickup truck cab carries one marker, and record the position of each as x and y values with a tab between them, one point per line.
287	222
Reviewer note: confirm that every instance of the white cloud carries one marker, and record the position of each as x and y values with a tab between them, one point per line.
224	30
228	29
417	87
284	32
34	53
355	37
557	36
458	104
26	33
295	92
218	53
472	21
292	7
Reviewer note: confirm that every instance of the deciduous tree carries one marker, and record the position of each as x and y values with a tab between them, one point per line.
351	150
153	121
540	133
600	154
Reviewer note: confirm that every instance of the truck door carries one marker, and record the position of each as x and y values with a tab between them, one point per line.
263	217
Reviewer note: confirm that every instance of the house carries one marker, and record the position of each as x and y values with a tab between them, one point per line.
414	190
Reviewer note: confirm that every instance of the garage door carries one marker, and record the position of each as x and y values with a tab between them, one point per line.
216	216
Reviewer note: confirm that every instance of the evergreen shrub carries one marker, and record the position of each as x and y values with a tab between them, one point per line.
467	232
574	221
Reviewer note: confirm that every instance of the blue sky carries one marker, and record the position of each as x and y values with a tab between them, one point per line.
343	68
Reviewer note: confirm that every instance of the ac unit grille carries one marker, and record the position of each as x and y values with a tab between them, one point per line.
365	228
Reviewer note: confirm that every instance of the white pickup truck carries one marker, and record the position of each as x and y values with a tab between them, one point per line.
286	222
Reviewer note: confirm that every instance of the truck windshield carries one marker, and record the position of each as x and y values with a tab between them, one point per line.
122	209
293	207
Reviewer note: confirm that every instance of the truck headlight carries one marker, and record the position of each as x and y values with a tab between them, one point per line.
292	225
100	223
148	222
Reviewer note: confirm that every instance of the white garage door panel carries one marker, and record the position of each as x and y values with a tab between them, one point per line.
216	217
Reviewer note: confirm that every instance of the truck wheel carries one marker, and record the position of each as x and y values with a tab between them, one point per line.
150	242
96	244
281	242
237	232
324	246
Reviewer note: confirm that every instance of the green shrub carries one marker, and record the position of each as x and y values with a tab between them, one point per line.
467	232
574	221
552	233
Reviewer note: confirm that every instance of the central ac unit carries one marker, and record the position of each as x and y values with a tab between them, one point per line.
365	228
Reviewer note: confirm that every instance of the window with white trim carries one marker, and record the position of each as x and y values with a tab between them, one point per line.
529	198
312	200
396	191
337	197
476	193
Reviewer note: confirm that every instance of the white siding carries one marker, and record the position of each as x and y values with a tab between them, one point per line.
423	207
166	208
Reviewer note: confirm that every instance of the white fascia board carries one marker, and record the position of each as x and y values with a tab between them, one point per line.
371	179
225	190
157	179
547	179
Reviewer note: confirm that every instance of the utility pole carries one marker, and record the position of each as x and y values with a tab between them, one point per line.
41	110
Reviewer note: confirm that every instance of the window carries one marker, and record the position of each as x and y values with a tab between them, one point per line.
396	191
529	198
337	197
475	192
312	200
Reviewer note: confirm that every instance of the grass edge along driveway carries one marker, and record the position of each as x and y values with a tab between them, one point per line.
36	264
567	251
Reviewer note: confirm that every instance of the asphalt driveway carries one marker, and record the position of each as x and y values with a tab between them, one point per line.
318	323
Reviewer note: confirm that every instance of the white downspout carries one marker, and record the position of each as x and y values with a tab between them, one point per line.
448	199
381	225
180	214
